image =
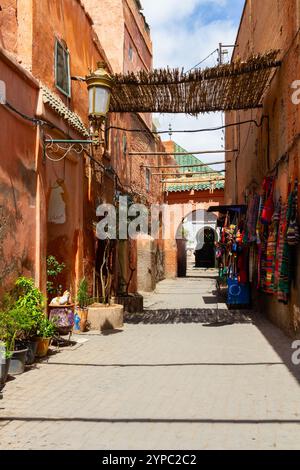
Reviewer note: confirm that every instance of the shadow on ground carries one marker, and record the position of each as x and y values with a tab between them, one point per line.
205	316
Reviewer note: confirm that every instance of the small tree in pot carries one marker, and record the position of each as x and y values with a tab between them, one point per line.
83	302
45	332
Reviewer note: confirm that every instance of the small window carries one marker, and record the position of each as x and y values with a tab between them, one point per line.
62	68
130	53
148	179
124	145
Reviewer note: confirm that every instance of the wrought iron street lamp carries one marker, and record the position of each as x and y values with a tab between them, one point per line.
99	84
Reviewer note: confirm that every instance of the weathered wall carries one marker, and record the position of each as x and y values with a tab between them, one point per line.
65	18
108	19
69	191
8	25
136	37
18	181
268	25
70	187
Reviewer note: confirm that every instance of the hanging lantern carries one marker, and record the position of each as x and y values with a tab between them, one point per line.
99	85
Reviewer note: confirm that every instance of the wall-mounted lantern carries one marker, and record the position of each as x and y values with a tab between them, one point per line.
99	84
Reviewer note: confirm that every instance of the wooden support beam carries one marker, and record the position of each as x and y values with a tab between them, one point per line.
158	167
202	152
192	173
192	181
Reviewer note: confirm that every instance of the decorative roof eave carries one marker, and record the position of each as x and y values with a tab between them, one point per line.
55	103
194	187
234	86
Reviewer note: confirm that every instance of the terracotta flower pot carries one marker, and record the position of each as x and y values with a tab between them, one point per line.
83	313
42	346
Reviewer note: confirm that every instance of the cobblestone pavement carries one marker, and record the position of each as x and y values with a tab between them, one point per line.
196	291
160	387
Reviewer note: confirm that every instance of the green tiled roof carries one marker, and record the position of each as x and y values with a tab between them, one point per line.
190	159
178	188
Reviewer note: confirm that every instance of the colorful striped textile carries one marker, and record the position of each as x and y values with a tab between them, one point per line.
283	286
251	219
269	286
280	246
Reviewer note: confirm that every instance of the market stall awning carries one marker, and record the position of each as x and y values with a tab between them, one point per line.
239	85
240	208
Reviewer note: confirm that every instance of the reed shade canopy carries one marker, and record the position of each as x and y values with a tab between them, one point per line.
234	86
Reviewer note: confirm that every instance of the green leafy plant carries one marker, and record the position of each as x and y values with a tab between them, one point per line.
9	329
82	294
22	312
5	353
28	310
46	328
54	268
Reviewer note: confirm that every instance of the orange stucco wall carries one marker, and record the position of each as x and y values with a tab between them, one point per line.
18	180
8	25
66	193
65	19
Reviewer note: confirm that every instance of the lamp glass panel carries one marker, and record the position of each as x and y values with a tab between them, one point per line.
91	101
101	100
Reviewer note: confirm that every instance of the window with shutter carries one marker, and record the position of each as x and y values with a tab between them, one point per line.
62	69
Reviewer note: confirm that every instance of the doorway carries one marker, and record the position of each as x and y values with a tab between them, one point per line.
205	254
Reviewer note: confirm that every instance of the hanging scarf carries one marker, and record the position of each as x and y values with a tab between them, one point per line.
269	283
284	253
268	208
251	219
293	235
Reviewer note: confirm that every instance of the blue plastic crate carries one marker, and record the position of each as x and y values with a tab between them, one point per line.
238	294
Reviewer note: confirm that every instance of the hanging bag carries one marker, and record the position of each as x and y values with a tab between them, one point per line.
268	209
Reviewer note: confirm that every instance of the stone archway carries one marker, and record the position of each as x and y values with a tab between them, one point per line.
195	240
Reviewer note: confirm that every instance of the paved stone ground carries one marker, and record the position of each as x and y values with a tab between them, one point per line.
170	386
196	291
160	387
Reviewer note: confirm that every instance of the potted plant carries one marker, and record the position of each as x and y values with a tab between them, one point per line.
103	314
83	302
5	349
10	330
28	311
54	269
5	357
45	332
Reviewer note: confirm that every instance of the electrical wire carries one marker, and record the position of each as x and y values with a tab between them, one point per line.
24	116
197	65
190	131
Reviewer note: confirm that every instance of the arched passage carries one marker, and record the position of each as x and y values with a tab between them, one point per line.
196	236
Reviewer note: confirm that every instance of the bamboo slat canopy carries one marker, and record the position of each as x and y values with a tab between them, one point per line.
238	85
